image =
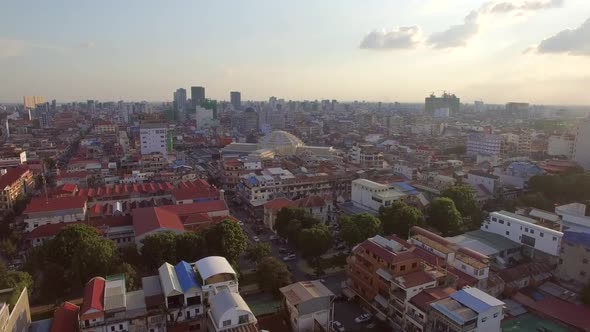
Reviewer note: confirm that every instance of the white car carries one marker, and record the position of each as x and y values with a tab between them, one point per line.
241	223
289	257
363	318
256	239
337	326
272	237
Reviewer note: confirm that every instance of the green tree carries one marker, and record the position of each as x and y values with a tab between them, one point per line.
272	274
132	281
158	249
399	217
190	246
129	254
8	248
258	251
290	222
314	241
465	202
49	163
69	260
18	281
226	239
359	227
444	216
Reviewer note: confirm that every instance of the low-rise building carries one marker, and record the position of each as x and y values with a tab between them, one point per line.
574	258
15	316
469	309
42	211
317	206
542	236
308	303
14	182
372	195
272	208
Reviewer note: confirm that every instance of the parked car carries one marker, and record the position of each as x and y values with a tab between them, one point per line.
256	239
289	257
341	246
283	251
273	237
363	318
337	326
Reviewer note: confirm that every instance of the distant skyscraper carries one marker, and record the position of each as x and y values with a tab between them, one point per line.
153	138
197	95
450	101
519	110
236	99
91	105
180	99
53	105
32	101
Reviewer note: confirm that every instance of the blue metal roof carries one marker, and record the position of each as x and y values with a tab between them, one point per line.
406	188
253	180
186	276
475	299
582	239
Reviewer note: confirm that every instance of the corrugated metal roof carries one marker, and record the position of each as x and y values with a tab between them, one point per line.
186	276
170	284
582	239
212	265
476	299
114	293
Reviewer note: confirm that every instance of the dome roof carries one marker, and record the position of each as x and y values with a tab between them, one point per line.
282	142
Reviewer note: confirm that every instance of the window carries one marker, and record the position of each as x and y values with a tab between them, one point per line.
532	231
120	326
463	267
555	238
414	264
501	221
86	323
226	322
484	319
486	226
188	314
494	219
113	328
507	232
541	234
243	319
526	229
402	268
496	315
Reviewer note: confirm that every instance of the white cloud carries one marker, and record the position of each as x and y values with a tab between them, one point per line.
508	7
570	41
11	48
397	38
456	35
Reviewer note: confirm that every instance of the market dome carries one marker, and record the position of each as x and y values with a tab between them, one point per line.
282	142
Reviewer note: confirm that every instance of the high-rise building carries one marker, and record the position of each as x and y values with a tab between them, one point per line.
180	99
520	110
32	101
53	105
582	144
484	144
447	100
153	138
197	95
236	99
249	121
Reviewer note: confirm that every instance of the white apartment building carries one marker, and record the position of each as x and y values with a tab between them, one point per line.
484	144
469	309
152	137
582	144
404	168
561	146
366	156
372	195
543	236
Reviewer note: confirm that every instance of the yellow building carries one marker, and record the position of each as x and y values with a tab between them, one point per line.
13	183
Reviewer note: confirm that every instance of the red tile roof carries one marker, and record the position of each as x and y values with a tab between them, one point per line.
173	217
94	295
12	175
65	318
112	221
572	314
310	201
49	230
69	188
423	299
388	256
279	203
40	204
415	279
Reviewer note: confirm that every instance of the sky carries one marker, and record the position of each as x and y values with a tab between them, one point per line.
534	51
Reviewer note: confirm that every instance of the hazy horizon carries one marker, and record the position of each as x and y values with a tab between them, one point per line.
495	51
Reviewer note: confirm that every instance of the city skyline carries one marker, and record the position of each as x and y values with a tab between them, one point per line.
496	51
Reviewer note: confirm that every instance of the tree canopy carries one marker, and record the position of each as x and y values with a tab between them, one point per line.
69	260
226	239
465	202
315	241
17	280
258	251
444	216
159	248
399	217
290	222
272	274
359	227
